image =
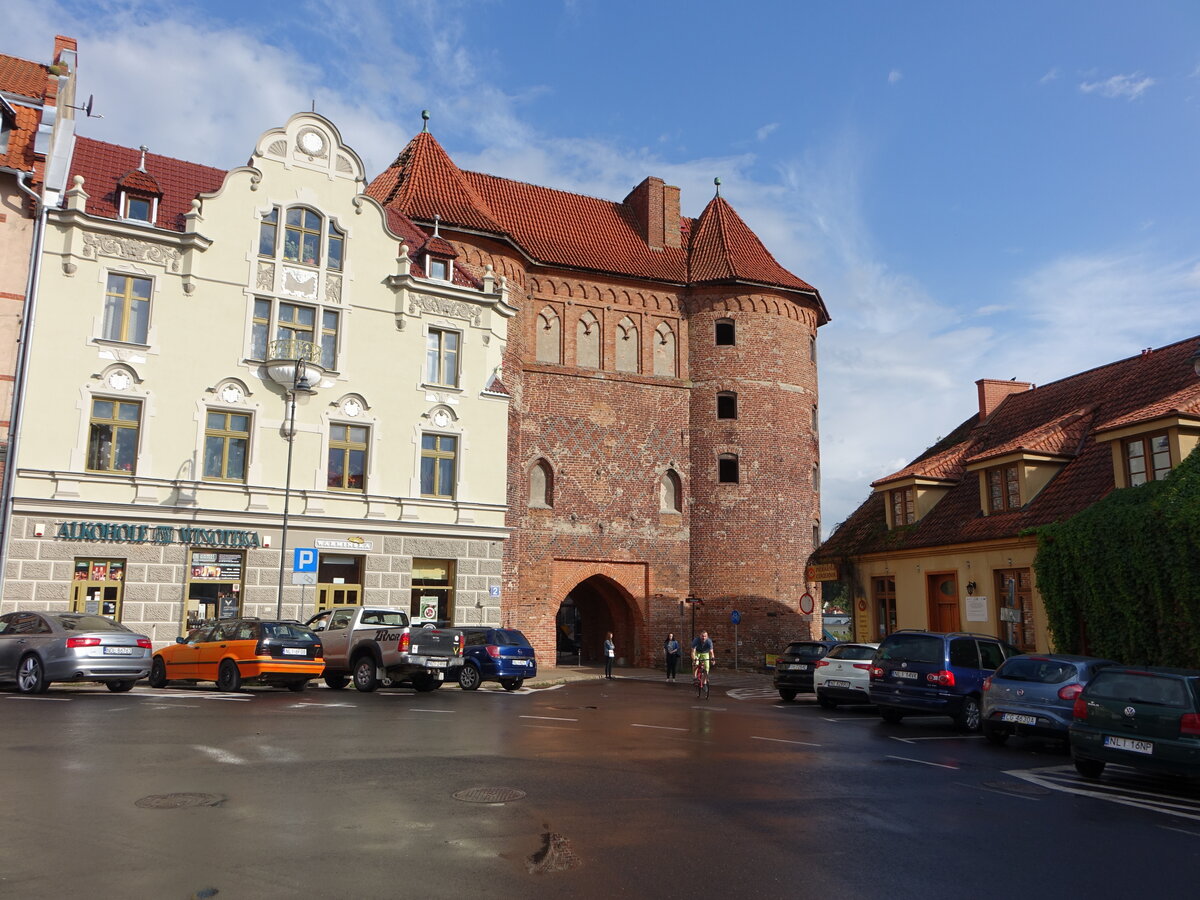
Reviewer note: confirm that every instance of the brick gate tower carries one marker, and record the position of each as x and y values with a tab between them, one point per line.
662	432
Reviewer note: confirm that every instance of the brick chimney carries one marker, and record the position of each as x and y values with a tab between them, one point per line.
992	392
655	208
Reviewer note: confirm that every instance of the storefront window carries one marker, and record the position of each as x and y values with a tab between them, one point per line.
214	587
432	591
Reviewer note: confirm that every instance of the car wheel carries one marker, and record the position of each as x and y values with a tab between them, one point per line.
336	682
469	678
229	679
969	718
426	683
511	684
158	673
890	715
119	687
788	694
364	675
31	676
1089	768
824	702
995	734
297	686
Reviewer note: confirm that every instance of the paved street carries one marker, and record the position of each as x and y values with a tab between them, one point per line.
628	788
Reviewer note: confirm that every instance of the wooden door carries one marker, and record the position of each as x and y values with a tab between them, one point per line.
942	593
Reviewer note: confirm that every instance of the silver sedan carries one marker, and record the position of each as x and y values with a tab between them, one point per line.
37	648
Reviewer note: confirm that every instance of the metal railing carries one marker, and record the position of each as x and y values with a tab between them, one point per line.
294	348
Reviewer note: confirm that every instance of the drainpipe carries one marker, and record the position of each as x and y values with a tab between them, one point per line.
14	423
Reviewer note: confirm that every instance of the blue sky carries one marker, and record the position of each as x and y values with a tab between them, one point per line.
979	190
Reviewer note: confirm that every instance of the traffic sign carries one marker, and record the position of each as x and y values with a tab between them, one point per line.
806	604
735	617
304	559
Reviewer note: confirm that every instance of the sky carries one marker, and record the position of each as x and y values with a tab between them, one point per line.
978	190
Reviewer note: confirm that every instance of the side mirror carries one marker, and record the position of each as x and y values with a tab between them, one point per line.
181	640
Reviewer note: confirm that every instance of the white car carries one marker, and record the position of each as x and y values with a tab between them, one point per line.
844	675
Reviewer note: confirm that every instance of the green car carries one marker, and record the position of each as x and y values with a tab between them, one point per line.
1147	718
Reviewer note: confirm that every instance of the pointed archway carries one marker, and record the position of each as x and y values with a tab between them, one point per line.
593	608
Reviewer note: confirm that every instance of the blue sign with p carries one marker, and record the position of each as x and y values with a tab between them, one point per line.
304	559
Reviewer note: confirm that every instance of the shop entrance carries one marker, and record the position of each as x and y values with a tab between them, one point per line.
339	581
593	608
98	587
214	587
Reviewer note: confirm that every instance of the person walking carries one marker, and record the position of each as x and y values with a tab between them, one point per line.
610	651
672	649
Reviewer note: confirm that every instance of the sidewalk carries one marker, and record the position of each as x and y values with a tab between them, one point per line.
720	677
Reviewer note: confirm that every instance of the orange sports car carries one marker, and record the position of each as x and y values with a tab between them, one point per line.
238	651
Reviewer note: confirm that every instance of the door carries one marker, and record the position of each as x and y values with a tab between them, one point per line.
97	587
214	650
339	581
942	593
181	659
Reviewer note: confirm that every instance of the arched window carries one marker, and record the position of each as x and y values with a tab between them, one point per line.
308	237
725	333
664	350
726	405
670	492
727	468
627	346
541	485
549	336
587	341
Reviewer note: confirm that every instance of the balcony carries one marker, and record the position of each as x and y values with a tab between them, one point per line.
292	362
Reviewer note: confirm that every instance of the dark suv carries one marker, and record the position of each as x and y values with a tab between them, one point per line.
931	672
495	654
794	667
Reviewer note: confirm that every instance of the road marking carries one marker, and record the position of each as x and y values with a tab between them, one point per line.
309	703
980	787
659	727
923	762
755	737
550	718
948	737
857	721
418	709
26	697
1065	780
752	694
1180	830
712	708
221	756
549	727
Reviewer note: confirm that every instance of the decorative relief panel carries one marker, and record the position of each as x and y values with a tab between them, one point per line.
265	280
299	283
95	245
441	306
343	165
333	288
279	148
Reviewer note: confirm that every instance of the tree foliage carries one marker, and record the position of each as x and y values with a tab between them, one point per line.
1122	578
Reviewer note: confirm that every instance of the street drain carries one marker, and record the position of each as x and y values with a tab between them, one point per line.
179	801
489	795
1016	787
555	855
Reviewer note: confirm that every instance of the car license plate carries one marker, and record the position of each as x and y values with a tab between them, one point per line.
1019	719
1120	743
436	663
520	662
294	651
118	651
911	676
833	682
802	667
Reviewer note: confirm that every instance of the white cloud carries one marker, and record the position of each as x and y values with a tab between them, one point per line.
1051	75
894	76
1128	86
765	132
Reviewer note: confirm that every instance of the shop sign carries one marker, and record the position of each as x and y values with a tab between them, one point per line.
354	543
130	533
822	572
217	566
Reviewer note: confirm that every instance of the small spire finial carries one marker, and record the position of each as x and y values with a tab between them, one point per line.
436	221
425	120
717	182
314	104
142	161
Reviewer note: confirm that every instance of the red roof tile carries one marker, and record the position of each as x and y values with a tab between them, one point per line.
944	466
20	76
723	248
102	165
137	180
19	154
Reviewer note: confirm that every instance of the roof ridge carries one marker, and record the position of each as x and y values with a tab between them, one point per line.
149	154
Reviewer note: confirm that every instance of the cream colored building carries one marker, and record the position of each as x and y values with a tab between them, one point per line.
178	308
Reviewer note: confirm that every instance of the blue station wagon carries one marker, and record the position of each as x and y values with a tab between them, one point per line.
496	654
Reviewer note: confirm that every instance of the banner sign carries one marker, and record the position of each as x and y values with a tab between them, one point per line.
822	572
130	533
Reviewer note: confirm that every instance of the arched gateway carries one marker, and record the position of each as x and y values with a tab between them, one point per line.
591	608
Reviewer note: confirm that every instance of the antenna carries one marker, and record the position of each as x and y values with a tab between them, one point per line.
87	108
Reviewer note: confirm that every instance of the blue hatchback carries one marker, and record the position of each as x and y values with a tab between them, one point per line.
496	654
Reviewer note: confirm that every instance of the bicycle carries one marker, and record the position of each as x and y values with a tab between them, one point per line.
700	679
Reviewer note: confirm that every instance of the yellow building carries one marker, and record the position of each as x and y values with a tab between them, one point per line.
228	366
945	543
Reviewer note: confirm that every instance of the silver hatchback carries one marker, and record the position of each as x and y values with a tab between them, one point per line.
1034	694
38	648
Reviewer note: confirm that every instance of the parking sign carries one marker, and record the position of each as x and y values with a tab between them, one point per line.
304	559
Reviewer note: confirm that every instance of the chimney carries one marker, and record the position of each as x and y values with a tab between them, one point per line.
992	392
655	209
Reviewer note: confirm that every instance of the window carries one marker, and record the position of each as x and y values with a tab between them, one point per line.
816	477
815	420
627	346
725	333
816	536
294	323
268	233
1004	488
903	509
727	468
549	336
432	590
302	236
664	350
438	455
127	309
226	440
1147	458
347	457
541	485
113	436
587	341
964	653
336	243
884	590
308	238
441	357
438	268
139	208
812	349
670	492
726	405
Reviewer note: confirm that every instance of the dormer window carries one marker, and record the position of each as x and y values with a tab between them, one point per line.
1003	488
1147	458
141	209
438	268
903	506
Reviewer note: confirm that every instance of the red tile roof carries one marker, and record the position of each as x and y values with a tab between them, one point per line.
19	154
137	180
1062	418
560	228
102	165
22	77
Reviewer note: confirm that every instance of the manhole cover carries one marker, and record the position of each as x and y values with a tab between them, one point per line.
179	801
1016	787
489	795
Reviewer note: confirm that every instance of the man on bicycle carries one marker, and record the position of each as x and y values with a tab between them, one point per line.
702	652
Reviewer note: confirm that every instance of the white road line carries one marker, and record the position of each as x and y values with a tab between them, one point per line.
25	697
659	727
1044	778
550	718
755	737
221	756
923	762
711	708
948	737
418	709
855	721
980	787
549	727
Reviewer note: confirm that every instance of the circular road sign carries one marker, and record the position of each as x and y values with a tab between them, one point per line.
806	603
735	617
